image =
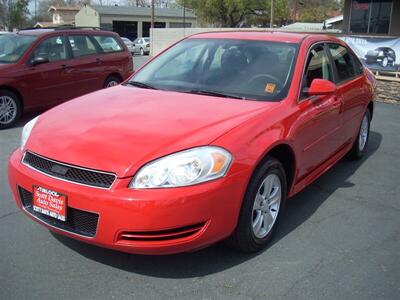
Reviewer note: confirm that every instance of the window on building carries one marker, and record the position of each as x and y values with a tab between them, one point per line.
370	16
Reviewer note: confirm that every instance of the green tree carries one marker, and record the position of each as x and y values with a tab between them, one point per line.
14	13
224	13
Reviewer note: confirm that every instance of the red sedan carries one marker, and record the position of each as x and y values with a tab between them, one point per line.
205	142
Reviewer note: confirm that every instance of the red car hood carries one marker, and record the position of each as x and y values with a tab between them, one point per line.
121	128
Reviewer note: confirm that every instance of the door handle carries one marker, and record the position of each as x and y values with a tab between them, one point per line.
64	66
98	60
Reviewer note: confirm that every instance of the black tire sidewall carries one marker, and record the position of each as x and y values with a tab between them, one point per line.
17	100
356	153
246	240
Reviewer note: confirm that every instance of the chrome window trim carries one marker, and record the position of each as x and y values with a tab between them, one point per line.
70	166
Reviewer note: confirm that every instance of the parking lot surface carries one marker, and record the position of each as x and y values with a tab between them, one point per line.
339	239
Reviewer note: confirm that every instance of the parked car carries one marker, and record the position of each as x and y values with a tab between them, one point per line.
384	56
206	142
42	68
129	44
142	45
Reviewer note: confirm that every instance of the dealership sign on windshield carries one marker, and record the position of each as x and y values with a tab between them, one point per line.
382	54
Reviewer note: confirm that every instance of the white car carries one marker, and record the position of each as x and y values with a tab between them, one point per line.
129	44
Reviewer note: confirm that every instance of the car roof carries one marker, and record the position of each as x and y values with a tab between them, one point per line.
45	31
277	36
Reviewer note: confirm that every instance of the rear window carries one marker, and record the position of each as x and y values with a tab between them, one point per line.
108	43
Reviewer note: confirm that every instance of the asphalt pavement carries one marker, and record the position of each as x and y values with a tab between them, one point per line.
339	239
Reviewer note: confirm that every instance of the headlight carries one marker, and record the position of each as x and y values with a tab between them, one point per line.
26	132
183	168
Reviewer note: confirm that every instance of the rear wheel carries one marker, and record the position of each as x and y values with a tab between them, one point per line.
361	142
141	51
10	109
264	200
112	81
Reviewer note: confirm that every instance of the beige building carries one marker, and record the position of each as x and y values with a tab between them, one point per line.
61	15
133	22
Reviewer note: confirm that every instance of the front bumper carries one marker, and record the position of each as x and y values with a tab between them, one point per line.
141	221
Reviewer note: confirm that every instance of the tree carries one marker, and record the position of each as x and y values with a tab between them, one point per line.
14	13
224	13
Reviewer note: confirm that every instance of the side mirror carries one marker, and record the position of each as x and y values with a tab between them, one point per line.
321	87
39	60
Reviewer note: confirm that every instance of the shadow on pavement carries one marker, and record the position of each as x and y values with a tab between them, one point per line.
219	257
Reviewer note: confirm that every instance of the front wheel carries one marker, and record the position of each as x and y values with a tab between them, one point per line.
111	81
141	51
10	109
360	144
262	205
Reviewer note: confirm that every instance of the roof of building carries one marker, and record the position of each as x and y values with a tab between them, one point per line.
64	8
334	19
141	11
304	26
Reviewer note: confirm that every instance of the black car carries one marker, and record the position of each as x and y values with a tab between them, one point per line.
384	56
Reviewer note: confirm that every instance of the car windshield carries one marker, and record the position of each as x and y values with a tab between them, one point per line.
13	46
245	69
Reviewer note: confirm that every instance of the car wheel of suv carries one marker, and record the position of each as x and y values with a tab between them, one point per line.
361	142
10	109
261	208
112	81
141	51
385	62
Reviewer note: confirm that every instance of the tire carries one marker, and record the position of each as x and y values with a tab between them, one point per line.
10	108
245	237
111	81
361	142
141	51
384	62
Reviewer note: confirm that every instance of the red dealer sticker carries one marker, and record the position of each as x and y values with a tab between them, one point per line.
50	203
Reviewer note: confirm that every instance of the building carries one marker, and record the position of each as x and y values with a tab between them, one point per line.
61	15
131	21
335	22
372	17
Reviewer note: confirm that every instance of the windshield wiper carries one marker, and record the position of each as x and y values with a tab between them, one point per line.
141	85
213	93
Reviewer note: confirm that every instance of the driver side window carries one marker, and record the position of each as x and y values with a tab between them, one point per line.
52	48
318	66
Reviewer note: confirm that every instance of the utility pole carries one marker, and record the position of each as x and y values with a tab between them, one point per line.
184	14
152	13
271	23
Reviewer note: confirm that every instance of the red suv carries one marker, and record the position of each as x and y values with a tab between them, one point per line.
44	67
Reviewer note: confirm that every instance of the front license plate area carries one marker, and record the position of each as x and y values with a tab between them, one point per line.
50	203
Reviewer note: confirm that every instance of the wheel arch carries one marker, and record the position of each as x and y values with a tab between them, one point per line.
370	107
15	91
285	154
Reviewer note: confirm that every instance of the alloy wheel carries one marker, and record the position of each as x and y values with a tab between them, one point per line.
363	135
8	110
266	205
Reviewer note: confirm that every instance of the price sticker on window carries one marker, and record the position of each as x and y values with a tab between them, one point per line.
270	88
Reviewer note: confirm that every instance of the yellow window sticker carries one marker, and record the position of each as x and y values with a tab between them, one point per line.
270	88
